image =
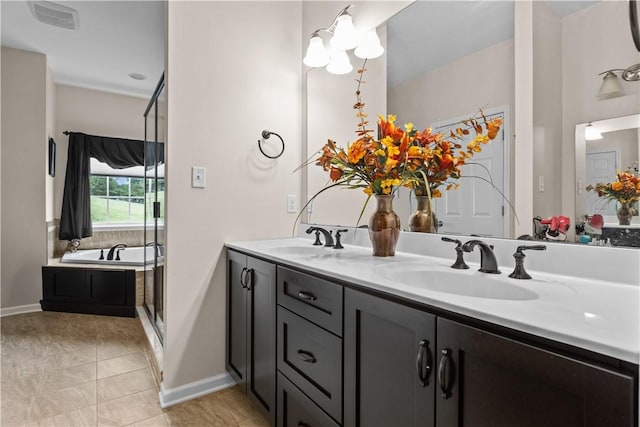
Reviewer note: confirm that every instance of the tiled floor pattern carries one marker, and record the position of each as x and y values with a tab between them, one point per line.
64	369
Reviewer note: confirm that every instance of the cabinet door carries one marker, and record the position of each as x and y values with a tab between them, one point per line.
261	334
487	380
236	356
64	284
385	345
107	286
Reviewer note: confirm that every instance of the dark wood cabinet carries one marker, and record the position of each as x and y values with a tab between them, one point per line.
488	380
86	290
388	363
251	328
333	354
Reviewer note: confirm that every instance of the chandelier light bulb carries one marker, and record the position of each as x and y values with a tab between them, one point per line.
370	46
317	55
345	35
339	63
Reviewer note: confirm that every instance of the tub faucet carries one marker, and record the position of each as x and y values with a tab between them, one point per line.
113	249
488	262
328	238
159	248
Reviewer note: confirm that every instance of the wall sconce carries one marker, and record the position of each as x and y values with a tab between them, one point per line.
344	36
591	133
611	86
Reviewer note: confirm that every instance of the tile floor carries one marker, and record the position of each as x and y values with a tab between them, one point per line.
64	369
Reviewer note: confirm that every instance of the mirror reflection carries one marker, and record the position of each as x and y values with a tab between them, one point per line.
432	79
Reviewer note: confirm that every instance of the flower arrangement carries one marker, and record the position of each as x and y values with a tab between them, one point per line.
625	189
420	160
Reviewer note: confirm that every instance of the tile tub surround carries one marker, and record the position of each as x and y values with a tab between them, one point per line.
101	239
62	369
586	312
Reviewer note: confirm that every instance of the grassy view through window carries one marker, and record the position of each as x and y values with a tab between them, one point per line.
119	199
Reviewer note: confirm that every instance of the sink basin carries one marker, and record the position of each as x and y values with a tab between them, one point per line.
303	251
457	282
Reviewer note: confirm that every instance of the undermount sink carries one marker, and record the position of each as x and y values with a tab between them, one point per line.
303	251
457	282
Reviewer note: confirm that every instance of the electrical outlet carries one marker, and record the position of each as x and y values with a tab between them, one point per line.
198	177
541	184
292	203
310	205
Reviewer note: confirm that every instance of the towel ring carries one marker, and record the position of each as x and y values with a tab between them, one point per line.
265	135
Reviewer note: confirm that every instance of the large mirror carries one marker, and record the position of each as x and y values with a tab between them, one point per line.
443	61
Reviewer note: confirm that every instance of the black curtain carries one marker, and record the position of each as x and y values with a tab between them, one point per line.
119	153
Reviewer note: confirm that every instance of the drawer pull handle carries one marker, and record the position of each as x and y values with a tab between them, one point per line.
445	374
307	295
423	351
305	356
303	424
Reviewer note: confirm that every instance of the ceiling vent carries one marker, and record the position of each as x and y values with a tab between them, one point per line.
54	14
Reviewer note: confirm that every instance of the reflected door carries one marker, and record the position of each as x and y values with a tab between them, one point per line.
478	203
600	167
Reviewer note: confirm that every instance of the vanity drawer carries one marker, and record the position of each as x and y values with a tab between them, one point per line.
311	358
317	300
297	410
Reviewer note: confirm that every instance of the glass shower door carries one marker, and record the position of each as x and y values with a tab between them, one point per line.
154	209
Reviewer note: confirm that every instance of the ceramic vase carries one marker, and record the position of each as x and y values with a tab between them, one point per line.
384	227
624	214
423	220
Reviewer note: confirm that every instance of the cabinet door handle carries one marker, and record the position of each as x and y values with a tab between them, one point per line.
303	424
243	277
306	356
307	295
249	278
423	352
445	376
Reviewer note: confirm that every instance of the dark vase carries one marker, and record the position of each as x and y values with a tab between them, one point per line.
624	214
384	227
423	220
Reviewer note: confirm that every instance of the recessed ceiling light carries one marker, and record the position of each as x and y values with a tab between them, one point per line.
137	76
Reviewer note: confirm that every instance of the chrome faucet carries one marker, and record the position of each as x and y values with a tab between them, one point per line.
328	238
159	248
488	262
113	249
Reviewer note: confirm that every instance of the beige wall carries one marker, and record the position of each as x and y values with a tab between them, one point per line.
594	39
96	113
547	110
234	70
24	154
50	129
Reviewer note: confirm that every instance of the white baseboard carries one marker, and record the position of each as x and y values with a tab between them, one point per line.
193	390
19	309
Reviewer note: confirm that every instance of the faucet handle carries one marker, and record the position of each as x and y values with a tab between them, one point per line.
519	272
338	244
317	242
459	264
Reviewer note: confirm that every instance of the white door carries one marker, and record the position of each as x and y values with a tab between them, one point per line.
600	166
478	207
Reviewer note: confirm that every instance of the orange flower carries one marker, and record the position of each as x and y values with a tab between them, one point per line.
357	150
616	186
335	174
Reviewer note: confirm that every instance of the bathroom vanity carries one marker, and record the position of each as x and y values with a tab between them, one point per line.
319	337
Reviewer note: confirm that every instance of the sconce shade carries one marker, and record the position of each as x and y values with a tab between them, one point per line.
591	133
317	55
339	63
369	46
345	36
611	86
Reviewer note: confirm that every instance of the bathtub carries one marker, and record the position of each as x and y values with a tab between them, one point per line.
135	256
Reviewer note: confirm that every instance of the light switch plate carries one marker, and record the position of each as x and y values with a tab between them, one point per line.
292	203
198	177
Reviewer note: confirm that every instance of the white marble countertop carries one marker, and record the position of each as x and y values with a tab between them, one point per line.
595	315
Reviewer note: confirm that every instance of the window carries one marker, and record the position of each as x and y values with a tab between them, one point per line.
118	195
